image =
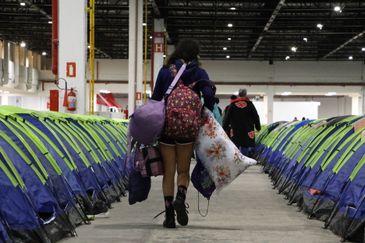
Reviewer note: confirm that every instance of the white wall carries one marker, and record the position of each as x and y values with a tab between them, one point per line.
336	106
253	71
27	101
286	108
115	69
306	71
286	111
242	72
34	102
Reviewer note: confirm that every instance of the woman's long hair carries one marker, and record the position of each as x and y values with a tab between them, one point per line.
186	50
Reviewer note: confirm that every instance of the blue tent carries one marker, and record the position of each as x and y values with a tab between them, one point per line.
348	216
56	181
321	204
86	175
320	167
44	203
99	161
17	214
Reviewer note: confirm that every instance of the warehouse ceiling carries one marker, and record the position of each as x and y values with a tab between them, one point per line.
260	29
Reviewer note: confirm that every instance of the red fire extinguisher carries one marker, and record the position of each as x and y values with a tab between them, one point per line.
71	100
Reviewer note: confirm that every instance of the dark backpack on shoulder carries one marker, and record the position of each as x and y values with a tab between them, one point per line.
183	113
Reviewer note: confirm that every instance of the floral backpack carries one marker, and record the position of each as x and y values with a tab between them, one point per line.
183	113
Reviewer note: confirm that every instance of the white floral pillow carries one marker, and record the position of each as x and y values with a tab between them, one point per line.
222	159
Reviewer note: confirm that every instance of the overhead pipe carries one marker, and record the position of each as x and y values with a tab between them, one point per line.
55	38
35	7
344	44
267	26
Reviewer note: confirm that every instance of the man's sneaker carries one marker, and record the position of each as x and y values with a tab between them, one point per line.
181	212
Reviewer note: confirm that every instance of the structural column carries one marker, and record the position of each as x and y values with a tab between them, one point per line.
158	46
268	107
5	72
5	64
135	59
355	105
72	58
139	57
362	100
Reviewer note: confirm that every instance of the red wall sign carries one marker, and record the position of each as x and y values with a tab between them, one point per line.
159	47
71	69
138	96
53	100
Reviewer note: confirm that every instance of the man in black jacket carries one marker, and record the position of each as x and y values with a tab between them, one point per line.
242	118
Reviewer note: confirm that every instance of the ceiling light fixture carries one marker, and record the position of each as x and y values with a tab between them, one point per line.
293	49
229	25
337	9
363	49
232	8
23	44
104	91
286	93
228	57
22	4
351	57
229	38
150	36
320	26
44	53
224	48
163	55
330	94
287	57
50	22
144	24
305	39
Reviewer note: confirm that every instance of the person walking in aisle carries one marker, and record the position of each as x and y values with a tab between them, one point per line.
228	129
240	122
176	153
232	98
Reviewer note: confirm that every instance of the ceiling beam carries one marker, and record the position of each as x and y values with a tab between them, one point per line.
36	7
267	26
155	9
344	44
254	9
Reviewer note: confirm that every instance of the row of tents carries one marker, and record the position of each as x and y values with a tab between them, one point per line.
55	171
319	166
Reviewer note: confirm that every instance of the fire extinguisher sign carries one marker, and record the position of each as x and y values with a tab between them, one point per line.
71	69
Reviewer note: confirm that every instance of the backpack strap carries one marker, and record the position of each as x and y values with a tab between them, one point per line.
176	79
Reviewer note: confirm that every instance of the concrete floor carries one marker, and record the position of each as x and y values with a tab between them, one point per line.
248	210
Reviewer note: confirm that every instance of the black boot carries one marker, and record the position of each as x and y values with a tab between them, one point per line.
169	218
180	208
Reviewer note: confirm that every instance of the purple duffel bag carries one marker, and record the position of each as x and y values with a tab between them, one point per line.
147	122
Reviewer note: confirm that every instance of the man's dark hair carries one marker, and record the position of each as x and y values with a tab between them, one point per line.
242	93
233	97
186	49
